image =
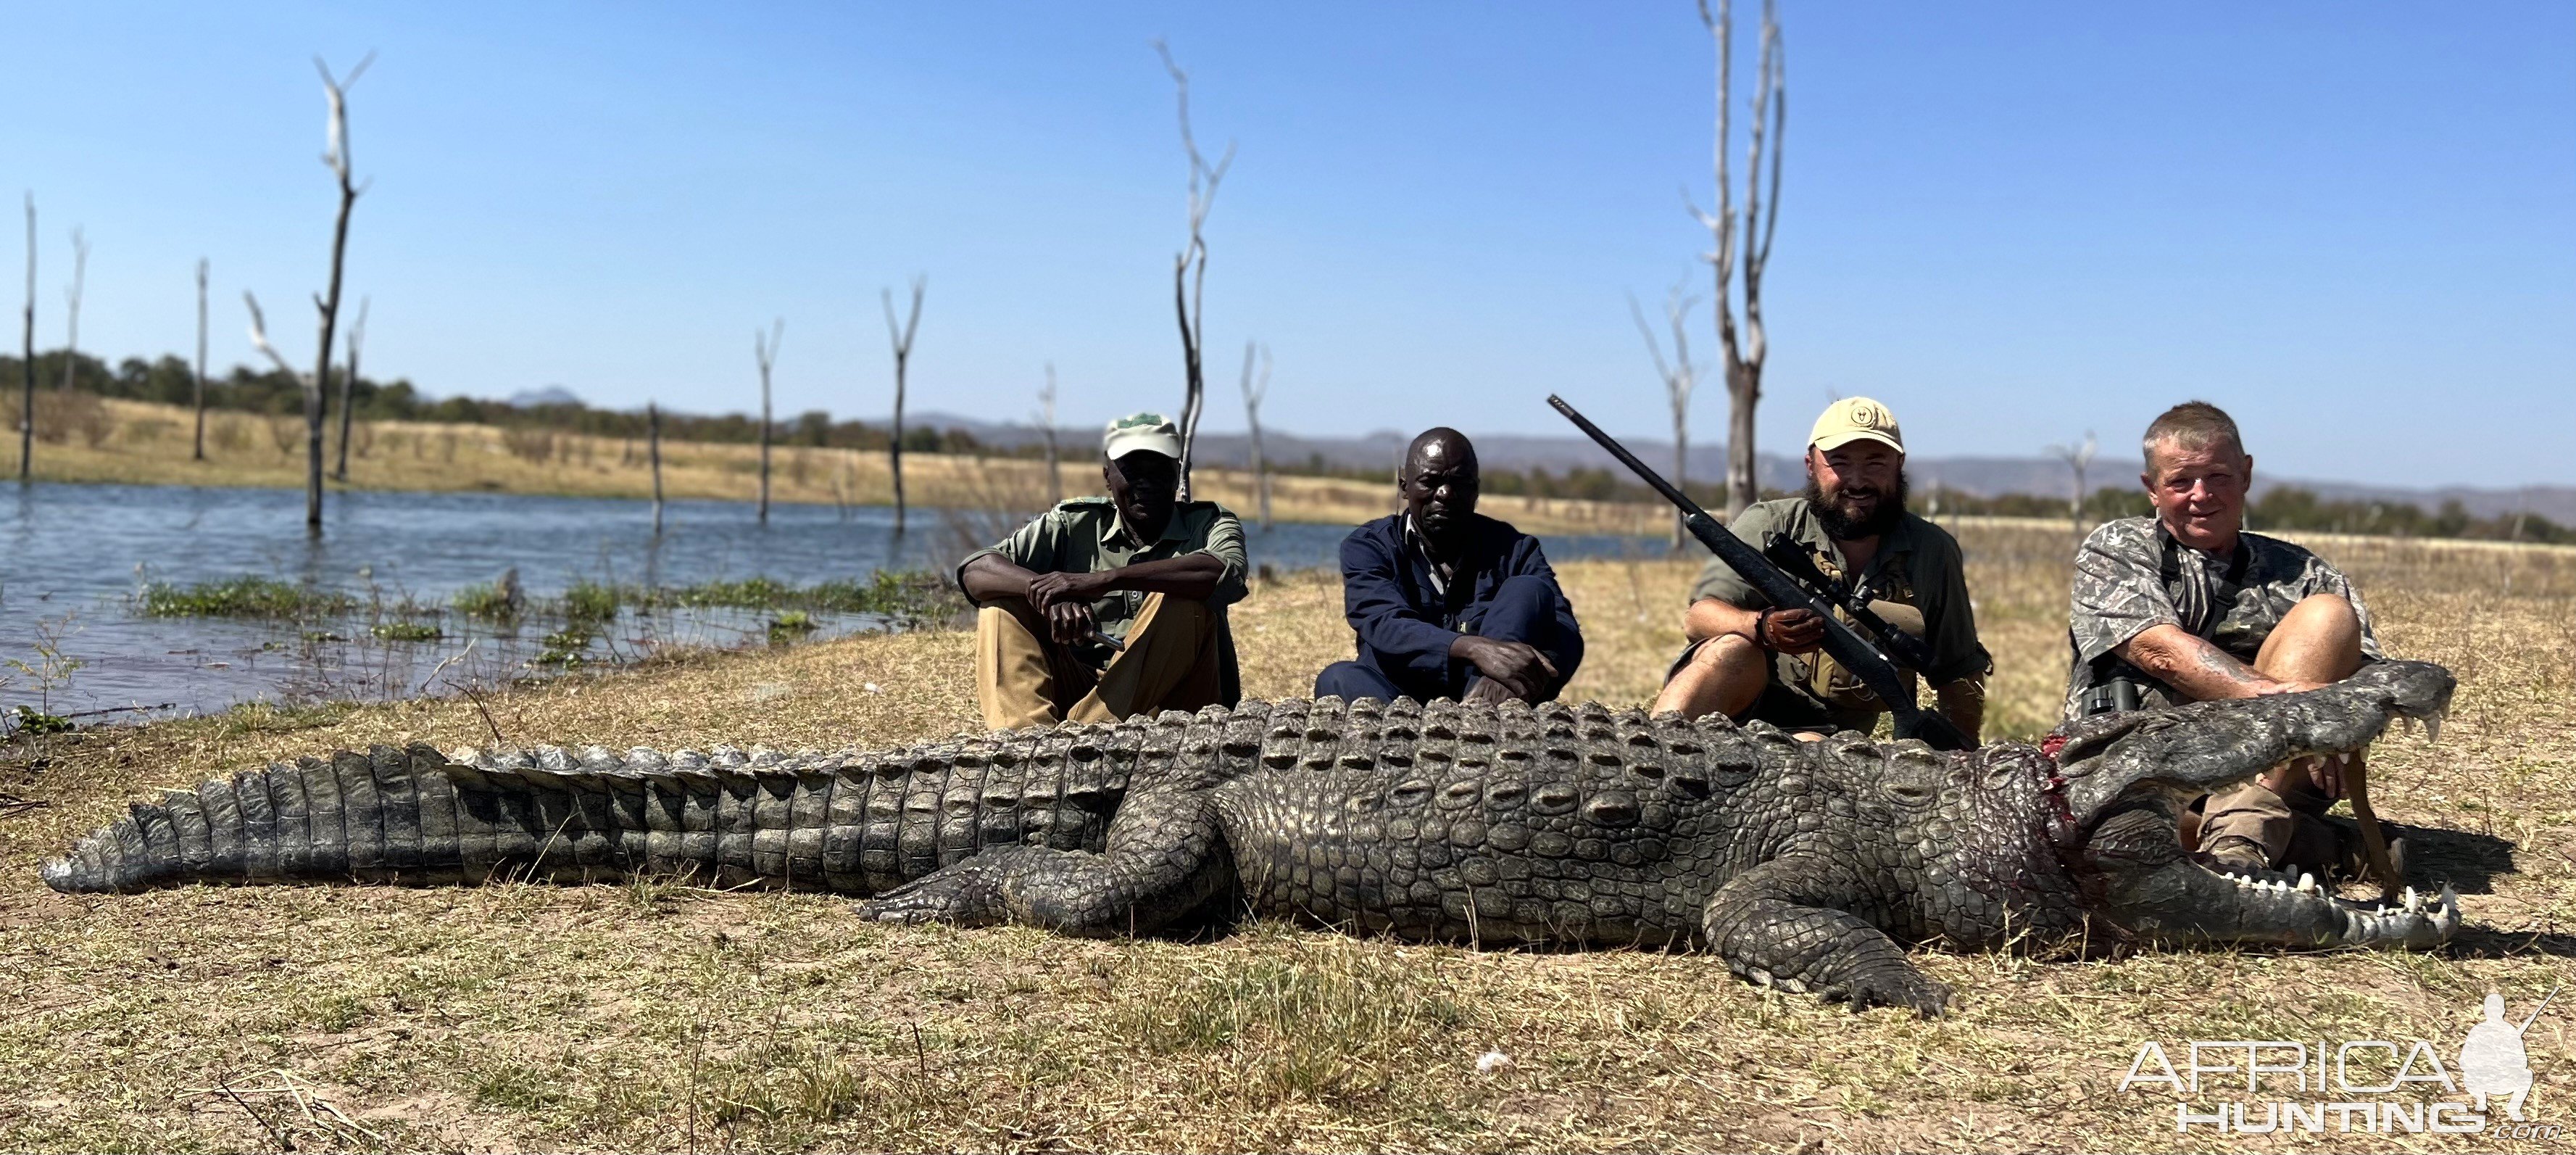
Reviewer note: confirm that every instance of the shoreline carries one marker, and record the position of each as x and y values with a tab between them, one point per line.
141	443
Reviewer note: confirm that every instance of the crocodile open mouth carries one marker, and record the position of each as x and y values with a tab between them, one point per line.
2130	842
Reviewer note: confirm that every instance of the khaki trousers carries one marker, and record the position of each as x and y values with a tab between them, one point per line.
2249	818
1023	678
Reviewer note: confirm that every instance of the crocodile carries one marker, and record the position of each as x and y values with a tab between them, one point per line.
1803	864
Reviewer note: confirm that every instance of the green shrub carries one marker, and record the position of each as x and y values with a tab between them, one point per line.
488	600
590	602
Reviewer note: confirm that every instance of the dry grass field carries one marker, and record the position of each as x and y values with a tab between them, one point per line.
140	443
659	1017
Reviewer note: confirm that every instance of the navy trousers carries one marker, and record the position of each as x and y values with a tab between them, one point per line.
1523	609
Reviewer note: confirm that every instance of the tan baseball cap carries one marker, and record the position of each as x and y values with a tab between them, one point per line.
1853	418
1149	432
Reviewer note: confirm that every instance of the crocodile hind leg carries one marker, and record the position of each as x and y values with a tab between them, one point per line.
1165	858
1782	922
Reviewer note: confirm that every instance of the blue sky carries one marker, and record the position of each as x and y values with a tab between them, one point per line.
2352	224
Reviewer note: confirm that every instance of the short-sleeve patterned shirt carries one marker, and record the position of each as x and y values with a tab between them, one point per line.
1086	535
2131	576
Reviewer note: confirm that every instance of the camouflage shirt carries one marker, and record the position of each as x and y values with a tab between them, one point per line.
1086	535
2131	575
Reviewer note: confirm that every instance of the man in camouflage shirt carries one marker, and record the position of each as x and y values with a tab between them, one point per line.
1107	607
2185	606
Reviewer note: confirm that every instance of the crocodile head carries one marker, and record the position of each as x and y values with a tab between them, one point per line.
2127	779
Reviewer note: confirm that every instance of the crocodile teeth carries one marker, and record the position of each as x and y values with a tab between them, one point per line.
2414	902
2307	883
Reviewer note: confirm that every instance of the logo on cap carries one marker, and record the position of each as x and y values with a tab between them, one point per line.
1147	432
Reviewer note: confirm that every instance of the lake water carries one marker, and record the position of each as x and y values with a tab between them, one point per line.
72	558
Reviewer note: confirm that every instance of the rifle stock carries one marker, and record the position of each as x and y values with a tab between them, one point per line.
1855	652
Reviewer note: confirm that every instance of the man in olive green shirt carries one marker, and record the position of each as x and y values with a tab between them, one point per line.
1751	661
1107	607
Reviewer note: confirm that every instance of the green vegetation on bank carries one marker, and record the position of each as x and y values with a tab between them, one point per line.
242	597
906	599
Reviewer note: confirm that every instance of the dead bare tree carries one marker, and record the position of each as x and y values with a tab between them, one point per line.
1252	395
2077	459
27	360
1680	378
764	348
335	157
259	341
1046	425
1189	269
197	384
901	338
348	382
72	297
653	453
1769	130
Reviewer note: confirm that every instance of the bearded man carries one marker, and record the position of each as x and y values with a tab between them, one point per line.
1750	660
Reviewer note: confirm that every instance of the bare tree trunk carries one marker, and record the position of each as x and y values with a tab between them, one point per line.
1742	362
2077	458
1046	422
348	383
315	390
901	338
1252	397
1189	271
653	452
72	296
765	349
197	385
1680	378
27	361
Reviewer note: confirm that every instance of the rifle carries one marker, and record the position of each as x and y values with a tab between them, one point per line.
1907	649
1845	644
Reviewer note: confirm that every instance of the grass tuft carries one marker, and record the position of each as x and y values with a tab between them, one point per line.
488	601
249	596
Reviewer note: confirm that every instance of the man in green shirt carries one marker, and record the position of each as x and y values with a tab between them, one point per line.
1750	661
1107	607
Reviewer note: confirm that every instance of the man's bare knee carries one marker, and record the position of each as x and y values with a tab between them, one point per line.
2319	639
2324	617
1726	651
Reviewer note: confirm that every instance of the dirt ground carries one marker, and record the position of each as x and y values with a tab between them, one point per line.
651	1016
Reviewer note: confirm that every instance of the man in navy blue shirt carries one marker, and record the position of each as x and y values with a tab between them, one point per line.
1449	604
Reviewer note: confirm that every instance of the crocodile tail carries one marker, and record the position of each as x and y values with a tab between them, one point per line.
848	822
413	815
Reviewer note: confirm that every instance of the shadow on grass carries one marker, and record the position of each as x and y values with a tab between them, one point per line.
2465	859
2485	942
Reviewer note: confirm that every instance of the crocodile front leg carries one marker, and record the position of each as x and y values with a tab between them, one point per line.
1782	922
1165	858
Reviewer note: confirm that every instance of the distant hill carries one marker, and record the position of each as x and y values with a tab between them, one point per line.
1982	476
550	395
